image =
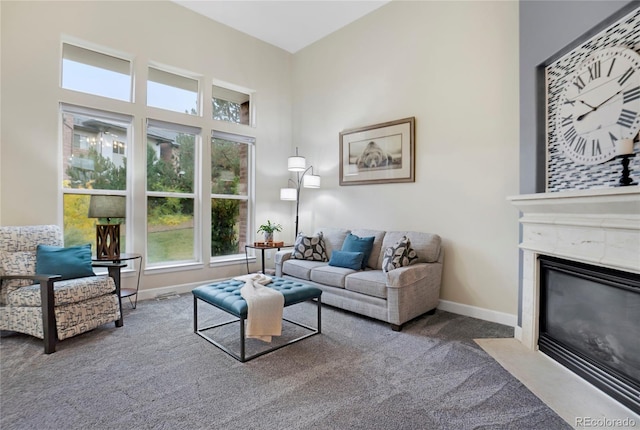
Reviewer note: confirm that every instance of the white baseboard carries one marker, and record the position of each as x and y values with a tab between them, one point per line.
480	313
152	293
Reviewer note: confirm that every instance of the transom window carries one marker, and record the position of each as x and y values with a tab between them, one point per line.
173	92
95	73
231	106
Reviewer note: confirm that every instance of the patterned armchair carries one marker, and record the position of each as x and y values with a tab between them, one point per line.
55	309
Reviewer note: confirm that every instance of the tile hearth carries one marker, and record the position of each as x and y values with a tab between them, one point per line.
570	396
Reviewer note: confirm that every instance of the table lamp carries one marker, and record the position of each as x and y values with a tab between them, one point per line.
107	235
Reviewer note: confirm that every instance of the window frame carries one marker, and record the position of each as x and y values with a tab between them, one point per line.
137	113
250	141
194	194
127	122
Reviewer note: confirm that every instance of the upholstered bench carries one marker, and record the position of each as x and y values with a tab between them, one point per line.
225	295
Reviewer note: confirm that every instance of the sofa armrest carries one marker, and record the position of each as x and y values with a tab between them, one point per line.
408	275
413	291
280	258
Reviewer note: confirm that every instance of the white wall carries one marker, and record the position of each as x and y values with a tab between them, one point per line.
164	32
454	66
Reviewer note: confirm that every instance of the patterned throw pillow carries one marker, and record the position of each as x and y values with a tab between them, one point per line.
399	255
309	248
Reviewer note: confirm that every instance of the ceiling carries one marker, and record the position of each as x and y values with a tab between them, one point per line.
287	24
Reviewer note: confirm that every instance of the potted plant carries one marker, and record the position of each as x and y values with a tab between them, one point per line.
268	230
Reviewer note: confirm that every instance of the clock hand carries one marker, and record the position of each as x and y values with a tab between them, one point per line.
593	109
585	103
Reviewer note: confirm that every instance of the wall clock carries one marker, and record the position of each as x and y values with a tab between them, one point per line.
588	101
600	106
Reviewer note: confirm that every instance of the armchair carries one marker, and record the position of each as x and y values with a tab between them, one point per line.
56	309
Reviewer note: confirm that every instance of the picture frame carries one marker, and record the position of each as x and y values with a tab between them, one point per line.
378	154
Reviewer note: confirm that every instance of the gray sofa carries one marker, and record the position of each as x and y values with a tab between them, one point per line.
396	296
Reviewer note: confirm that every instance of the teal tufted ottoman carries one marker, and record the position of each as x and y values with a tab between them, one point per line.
225	295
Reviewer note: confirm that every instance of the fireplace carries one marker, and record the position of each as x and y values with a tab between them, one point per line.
590	323
597	229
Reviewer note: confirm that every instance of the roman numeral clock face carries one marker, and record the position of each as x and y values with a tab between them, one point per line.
600	106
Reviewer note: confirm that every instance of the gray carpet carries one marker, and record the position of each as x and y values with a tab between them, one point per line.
155	373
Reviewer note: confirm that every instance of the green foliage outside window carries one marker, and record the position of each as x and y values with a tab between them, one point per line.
104	175
224	231
224	110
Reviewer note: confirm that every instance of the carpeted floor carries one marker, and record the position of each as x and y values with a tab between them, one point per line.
155	373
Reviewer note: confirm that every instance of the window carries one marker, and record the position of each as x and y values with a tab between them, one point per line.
230	192
231	106
172	92
97	159
95	73
91	167
172	157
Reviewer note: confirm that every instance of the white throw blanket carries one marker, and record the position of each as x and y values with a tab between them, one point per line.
264	307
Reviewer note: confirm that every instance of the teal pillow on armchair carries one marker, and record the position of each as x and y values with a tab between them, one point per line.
355	243
72	262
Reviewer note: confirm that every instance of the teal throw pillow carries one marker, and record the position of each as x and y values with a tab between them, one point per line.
354	243
70	263
346	259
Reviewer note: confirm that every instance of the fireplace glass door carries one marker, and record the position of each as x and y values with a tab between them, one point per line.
590	323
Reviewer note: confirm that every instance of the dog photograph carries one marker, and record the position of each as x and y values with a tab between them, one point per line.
380	153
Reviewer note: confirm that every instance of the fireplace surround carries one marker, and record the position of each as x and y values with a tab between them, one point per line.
598	227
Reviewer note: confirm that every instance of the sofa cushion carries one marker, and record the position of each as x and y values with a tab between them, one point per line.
333	238
426	245
330	275
399	255
347	259
70	263
353	243
369	282
309	248
300	268
374	259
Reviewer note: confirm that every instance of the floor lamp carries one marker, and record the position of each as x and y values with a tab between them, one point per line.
305	179
107	235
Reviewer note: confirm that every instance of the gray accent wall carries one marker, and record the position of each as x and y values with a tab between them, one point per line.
546	27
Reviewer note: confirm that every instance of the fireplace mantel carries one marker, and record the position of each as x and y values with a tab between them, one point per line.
597	226
600	227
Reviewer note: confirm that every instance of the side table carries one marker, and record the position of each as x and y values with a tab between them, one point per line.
114	266
261	248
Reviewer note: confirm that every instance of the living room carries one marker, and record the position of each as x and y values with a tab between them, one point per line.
464	70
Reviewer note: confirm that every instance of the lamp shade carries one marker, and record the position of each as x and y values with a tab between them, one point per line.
296	164
107	207
288	194
311	181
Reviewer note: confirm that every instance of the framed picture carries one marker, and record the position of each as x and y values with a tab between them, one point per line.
378	154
